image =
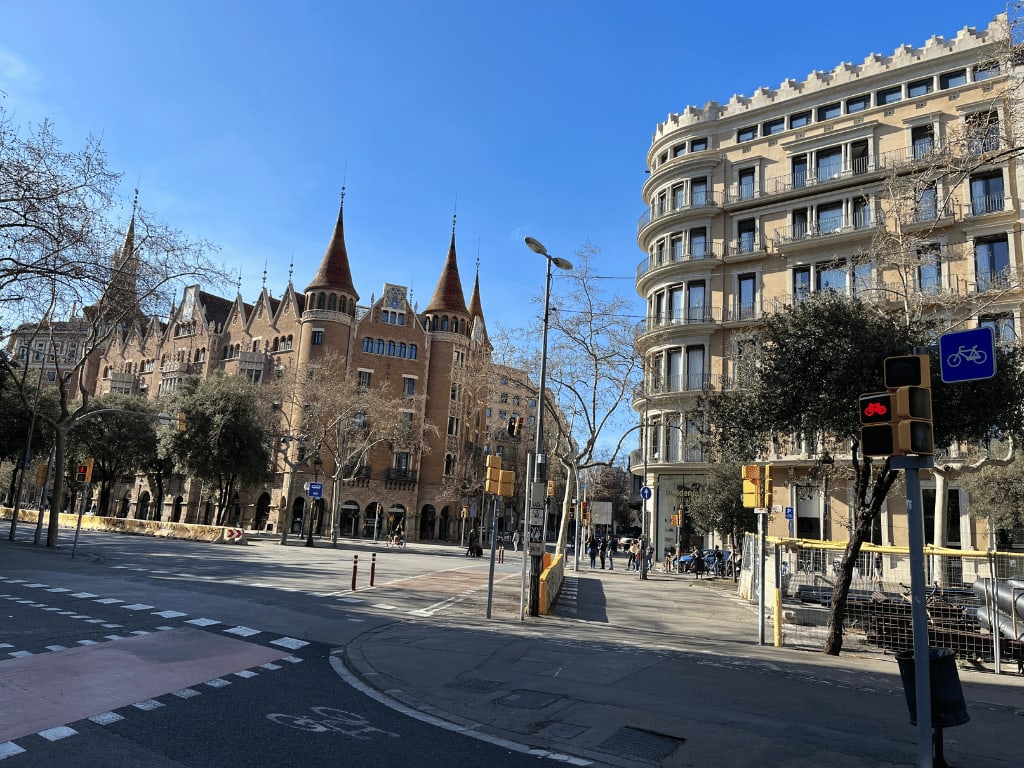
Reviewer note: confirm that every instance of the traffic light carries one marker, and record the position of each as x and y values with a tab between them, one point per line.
767	486
41	471
876	424
899	421
585	511
83	473
551	488
492	480
518	426
512	426
506	483
181	422
751	486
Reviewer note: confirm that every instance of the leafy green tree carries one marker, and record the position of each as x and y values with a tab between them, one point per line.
997	495
812	362
227	442
121	441
716	503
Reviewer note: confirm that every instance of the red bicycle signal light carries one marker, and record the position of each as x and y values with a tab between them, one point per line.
876	408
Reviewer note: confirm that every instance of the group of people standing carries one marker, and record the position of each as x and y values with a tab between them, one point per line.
607	548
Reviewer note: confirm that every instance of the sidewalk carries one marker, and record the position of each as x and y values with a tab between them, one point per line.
664	672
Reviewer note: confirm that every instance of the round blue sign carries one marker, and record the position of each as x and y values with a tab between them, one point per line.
645	493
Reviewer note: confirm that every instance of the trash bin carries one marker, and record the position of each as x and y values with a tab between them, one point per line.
948	705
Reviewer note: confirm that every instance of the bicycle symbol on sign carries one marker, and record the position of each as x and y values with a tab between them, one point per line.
968	354
872	409
328	719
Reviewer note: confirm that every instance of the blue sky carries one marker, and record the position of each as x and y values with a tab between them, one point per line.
240	121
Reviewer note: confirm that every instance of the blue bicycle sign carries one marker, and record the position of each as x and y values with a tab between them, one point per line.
968	355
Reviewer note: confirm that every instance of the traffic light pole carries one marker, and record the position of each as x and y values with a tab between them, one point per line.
912	465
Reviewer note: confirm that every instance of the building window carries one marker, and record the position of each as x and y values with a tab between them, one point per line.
675	246
378	346
695	367
799	228
992	262
829	111
699	192
364	379
889	95
391	349
920	88
453	425
679	150
858	103
1002	327
503	397
986	71
863	278
698	145
748	133
800	119
412	351
952	79
929	269
922	139
746	296
746	235
771	127
861	213
982	130
695	306
829	163
318	336
801	283
401	351
502	414
830	218
746	183
678	198
987	193
926	207
449	464
698	242
799	166
832	277
408	386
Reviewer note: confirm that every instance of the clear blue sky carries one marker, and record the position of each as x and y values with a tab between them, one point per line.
240	121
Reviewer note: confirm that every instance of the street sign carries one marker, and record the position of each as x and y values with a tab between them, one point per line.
645	493
968	355
789	513
316	490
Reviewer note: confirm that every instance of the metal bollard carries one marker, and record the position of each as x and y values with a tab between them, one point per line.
373	567
501	553
355	568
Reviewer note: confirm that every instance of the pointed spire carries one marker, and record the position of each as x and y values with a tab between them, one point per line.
448	295
334	272
475	307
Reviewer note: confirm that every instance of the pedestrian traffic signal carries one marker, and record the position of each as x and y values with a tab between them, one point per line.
83	474
751	486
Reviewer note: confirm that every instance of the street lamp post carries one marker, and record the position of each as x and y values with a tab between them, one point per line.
539	459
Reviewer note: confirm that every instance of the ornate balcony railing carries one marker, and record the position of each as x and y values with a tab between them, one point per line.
712	249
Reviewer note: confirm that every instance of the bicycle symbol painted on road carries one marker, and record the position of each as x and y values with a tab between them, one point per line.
331	720
967	354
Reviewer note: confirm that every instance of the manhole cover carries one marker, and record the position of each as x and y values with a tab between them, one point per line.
561	731
640	743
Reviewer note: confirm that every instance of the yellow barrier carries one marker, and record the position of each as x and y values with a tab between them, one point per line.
189	531
551	582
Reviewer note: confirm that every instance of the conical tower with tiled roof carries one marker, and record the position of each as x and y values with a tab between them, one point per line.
476	310
447	308
328	313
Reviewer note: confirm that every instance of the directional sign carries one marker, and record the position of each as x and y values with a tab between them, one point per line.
968	355
789	513
316	490
645	493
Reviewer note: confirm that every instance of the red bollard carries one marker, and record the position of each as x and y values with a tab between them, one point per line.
355	567
373	567
501	553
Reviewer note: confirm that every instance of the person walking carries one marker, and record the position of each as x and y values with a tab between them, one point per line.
592	551
603	551
613	547
718	556
515	541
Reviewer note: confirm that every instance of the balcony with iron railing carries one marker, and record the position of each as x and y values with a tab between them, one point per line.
712	249
397	473
982	205
696	315
697	202
826	227
817	176
746	246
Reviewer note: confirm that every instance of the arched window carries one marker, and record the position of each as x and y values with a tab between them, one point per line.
367	344
391	349
288	342
434	323
412	351
379	348
332	302
320	299
444	323
401	349
449	464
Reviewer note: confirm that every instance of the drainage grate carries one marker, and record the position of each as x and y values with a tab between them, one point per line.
639	743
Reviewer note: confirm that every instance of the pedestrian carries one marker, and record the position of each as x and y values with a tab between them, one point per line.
613	547
515	541
603	551
592	551
631	562
717	557
878	569
697	563
635	554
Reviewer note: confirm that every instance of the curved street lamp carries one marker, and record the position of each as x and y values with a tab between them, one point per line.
539	459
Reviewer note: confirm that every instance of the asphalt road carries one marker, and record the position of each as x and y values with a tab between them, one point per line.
143	652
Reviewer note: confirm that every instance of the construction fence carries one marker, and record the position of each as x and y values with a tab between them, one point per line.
974	599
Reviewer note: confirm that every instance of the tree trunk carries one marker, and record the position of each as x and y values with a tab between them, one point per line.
59	461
